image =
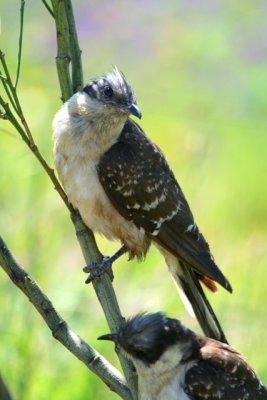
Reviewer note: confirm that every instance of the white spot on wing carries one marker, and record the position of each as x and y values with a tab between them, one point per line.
190	228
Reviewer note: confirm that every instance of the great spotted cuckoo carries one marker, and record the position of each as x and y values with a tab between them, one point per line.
124	188
173	363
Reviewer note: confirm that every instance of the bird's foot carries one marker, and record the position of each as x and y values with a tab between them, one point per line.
96	269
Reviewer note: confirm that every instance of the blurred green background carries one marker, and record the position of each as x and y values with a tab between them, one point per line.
199	70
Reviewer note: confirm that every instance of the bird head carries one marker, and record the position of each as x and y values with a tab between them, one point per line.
113	92
146	337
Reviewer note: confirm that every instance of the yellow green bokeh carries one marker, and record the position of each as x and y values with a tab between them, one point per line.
199	70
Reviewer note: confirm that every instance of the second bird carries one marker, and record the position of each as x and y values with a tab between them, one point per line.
124	188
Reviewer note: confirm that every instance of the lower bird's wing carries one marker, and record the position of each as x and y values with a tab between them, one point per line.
223	374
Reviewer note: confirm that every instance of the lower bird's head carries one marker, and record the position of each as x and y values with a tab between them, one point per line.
108	95
146	337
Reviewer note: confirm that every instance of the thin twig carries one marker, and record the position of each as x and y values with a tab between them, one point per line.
23	128
8	93
10	84
2	76
10	116
7	83
59	328
22	5
48	7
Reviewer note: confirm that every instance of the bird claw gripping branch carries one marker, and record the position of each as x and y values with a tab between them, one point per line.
97	269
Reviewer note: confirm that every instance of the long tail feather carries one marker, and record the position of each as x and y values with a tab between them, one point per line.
187	280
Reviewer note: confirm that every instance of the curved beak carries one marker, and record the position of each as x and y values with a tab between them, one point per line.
134	110
110	336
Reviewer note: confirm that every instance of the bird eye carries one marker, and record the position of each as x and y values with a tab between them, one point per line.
108	91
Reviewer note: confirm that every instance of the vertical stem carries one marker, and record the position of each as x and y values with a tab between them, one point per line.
76	60
105	293
20	40
63	54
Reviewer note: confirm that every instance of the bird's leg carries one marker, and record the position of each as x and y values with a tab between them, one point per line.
96	269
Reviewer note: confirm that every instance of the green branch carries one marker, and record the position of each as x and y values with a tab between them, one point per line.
63	57
20	40
48	7
76	61
21	126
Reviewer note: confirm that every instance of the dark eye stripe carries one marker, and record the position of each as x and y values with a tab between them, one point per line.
90	90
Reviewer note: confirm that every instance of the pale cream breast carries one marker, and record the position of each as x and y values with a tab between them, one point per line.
85	192
163	380
76	155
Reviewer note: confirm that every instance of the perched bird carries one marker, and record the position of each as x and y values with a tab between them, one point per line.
124	188
173	363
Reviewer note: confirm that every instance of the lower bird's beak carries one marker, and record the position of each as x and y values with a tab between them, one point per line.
134	110
110	336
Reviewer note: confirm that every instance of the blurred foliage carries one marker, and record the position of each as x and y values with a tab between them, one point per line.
199	70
